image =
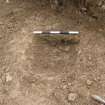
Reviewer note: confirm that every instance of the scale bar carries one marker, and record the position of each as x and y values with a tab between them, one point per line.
57	32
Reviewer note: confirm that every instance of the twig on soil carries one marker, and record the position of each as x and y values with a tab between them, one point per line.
98	99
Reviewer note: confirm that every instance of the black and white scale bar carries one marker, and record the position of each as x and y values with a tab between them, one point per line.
57	32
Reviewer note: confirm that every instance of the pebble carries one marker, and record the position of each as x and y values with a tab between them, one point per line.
72	97
89	82
79	52
23	30
103	7
90	58
64	86
97	79
67	48
69	84
1	23
100	30
7	1
8	77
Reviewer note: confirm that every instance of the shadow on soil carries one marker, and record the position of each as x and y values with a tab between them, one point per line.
58	40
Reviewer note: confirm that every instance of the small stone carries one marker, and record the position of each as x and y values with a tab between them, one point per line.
1	23
8	77
79	52
7	1
67	48
97	79
23	30
69	84
89	82
72	97
90	58
64	86
100	30
63	80
100	3
50	78
84	9
103	7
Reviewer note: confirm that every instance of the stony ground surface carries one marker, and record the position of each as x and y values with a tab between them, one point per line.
40	71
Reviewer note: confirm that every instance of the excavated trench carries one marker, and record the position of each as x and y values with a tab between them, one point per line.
39	71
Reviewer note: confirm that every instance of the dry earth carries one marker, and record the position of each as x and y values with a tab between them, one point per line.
34	71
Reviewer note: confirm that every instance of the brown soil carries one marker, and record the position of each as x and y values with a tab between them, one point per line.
34	71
